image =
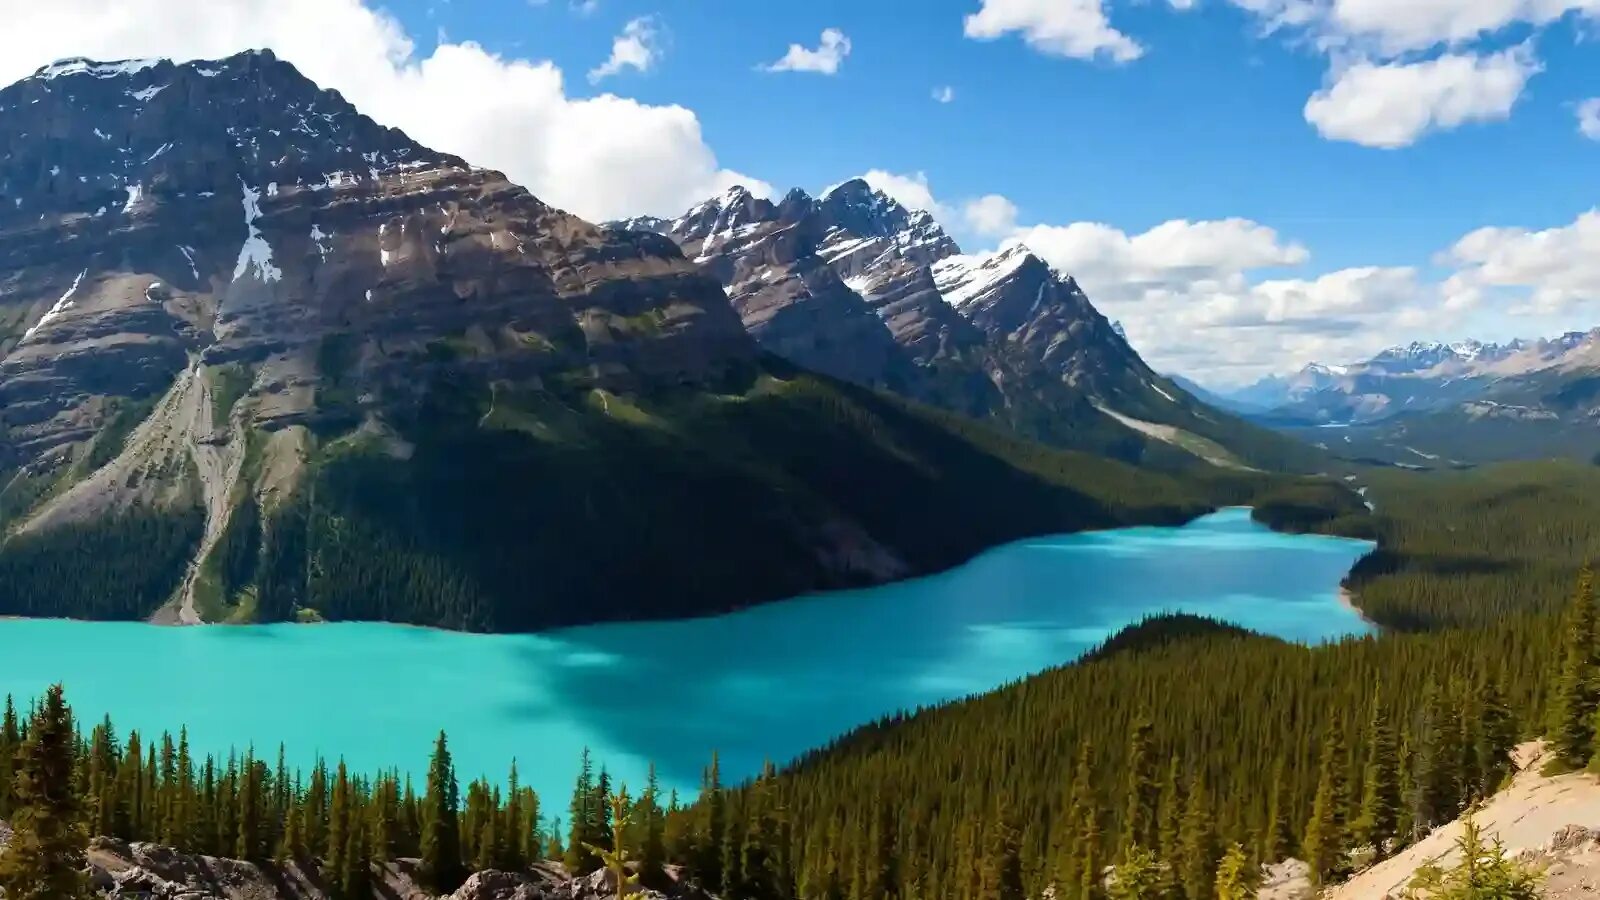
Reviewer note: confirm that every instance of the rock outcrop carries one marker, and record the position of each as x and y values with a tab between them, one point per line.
119	870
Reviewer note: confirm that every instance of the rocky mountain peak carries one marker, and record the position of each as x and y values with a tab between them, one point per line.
161	220
101	137
722	217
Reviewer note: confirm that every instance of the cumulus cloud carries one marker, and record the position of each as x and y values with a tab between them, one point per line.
1394	104
1395	27
638	47
1079	29
1589	118
944	93
1551	272
990	215
833	47
1400	70
601	157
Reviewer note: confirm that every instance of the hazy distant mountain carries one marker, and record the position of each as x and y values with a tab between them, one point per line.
1468	400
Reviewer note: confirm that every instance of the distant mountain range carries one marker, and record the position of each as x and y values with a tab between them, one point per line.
1466	401
263	358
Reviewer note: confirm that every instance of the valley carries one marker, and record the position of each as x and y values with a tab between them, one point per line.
769	683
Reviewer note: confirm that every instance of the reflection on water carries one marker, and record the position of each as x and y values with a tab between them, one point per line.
762	684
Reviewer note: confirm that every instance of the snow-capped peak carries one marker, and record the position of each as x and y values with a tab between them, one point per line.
965	279
84	66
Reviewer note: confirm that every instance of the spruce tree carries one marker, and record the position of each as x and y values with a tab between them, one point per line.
44	859
441	865
1196	857
583	821
1574	698
1324	843
1140	809
1138	877
1277	834
1170	807
1236	877
1380	783
652	849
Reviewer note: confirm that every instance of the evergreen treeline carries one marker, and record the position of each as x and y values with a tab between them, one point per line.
61	786
1177	761
116	568
1469	548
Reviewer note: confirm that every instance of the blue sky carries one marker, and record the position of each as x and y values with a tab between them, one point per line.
1247	184
1207	124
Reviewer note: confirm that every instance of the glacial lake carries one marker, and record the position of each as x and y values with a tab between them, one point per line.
766	683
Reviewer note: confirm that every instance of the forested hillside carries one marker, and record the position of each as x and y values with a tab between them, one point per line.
785	484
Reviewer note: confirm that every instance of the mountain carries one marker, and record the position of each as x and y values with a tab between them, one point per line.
264	358
1430	402
856	285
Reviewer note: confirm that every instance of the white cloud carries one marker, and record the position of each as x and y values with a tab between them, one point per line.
990	215
637	47
1396	27
1078	29
1168	255
600	157
944	93
1394	104
826	59
1554	272
1589	118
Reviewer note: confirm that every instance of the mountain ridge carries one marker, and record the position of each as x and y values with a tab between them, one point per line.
999	336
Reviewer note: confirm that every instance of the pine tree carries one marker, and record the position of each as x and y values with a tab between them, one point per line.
10	741
1079	829
1196	858
1170	812
1276	836
1236	877
1138	877
583	821
1139	813
1484	873
711	834
653	849
615	859
1497	737
45	856
1324	843
514	853
1574	698
340	816
441	835
1380	783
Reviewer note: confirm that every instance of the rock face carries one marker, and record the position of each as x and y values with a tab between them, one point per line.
119	870
856	285
157	217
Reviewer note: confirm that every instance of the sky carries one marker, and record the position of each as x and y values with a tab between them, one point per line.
1247	185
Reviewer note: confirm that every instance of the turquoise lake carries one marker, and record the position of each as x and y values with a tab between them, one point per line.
767	683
